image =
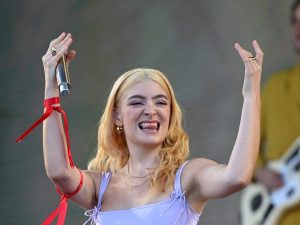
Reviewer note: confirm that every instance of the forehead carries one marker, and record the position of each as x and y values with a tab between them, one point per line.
147	88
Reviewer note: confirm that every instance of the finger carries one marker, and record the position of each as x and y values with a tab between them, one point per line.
63	50
61	44
52	60
64	41
239	49
244	54
60	50
259	52
70	56
57	40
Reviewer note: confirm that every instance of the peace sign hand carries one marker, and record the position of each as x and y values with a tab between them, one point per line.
253	69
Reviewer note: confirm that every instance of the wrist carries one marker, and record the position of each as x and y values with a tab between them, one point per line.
51	91
51	101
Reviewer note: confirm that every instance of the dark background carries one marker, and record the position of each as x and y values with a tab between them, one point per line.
190	41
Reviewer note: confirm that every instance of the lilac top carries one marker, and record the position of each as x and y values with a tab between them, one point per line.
174	210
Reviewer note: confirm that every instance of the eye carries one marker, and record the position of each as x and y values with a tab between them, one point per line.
161	102
135	103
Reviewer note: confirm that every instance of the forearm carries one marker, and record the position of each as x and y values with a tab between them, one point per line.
57	157
217	180
244	155
54	141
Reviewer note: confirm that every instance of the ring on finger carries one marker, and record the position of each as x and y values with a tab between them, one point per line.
53	51
251	58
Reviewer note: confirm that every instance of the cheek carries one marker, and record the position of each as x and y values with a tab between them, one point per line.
130	116
166	116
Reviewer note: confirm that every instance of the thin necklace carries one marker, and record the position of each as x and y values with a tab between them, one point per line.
130	185
138	177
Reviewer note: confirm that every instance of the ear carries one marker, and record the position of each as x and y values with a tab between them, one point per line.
117	117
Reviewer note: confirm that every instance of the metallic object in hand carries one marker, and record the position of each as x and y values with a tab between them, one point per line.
62	77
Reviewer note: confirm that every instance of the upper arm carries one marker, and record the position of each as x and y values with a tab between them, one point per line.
87	196
209	179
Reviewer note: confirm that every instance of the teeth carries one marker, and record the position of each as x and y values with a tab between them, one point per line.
145	125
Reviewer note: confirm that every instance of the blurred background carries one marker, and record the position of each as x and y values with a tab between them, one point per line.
192	42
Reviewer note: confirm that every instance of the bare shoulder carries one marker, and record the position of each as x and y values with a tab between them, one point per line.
190	183
200	162
95	177
193	168
197	165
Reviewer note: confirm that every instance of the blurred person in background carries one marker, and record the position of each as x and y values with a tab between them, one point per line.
280	120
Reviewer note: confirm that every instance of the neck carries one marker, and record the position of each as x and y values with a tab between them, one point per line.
142	160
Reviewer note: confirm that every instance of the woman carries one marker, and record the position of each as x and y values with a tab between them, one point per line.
140	174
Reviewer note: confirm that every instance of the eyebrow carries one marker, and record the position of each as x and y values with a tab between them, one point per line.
143	97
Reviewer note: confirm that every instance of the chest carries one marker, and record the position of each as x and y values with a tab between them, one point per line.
168	212
119	195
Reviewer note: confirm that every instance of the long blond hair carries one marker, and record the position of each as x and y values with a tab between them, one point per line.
113	154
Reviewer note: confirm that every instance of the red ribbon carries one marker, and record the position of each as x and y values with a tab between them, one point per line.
48	103
61	210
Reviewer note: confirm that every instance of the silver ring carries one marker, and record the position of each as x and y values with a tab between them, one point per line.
53	51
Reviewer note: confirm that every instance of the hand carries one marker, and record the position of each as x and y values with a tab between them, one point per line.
269	178
61	44
253	69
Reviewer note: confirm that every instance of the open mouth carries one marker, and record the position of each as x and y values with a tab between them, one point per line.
149	125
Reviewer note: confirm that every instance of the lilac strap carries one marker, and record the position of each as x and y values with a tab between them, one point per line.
177	185
104	182
92	213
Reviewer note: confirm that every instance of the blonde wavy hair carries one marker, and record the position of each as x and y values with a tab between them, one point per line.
113	154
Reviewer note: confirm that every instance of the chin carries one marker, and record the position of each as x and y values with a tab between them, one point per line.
149	141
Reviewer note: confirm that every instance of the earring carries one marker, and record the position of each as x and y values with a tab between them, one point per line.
119	129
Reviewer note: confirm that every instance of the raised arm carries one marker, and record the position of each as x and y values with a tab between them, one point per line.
215	180
54	143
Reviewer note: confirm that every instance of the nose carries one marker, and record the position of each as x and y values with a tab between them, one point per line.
150	110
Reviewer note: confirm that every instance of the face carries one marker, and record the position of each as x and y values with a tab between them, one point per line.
296	28
144	111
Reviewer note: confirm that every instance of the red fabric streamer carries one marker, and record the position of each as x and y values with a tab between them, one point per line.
61	210
48	103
